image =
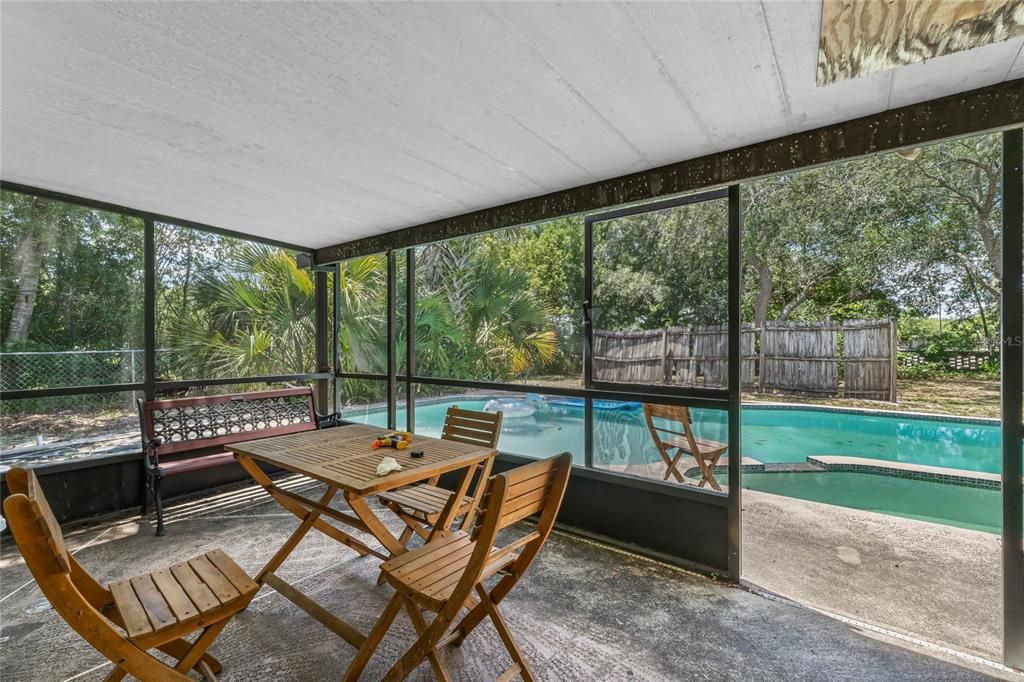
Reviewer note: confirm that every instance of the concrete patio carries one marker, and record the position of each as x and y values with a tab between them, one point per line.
926	580
584	611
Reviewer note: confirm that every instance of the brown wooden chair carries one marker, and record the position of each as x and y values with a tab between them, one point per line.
421	505
705	452
126	620
443	575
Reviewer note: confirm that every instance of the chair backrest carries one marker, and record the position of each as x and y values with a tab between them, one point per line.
675	414
24	482
472	427
511	496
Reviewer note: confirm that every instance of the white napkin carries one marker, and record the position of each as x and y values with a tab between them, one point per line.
387	465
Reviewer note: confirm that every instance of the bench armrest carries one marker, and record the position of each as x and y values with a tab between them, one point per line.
326	420
150	457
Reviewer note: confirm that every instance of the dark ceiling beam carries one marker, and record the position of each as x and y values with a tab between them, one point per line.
138	213
991	108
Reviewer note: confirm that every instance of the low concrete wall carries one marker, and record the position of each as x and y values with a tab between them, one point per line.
670	523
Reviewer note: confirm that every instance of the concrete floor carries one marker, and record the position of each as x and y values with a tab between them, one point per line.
927	580
583	612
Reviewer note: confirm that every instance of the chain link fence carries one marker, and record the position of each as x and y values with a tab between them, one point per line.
58	369
24	371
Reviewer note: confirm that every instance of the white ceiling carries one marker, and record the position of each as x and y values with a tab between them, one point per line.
318	123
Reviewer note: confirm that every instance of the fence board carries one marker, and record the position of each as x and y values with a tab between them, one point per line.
629	357
868	353
681	356
800	357
681	367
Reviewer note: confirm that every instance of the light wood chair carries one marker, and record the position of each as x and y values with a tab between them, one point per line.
421	505
705	452
130	617
448	574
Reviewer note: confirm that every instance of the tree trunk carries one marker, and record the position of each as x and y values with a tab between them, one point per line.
805	292
30	259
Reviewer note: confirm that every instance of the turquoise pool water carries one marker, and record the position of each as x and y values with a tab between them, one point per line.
777	435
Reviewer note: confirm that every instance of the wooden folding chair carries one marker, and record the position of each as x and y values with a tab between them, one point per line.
443	575
705	452
126	620
421	505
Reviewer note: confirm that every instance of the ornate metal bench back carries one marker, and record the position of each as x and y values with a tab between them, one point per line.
195	423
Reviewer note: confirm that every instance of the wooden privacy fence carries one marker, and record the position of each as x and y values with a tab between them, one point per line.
853	359
683	356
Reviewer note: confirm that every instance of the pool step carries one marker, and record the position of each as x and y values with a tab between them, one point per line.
792	467
920	472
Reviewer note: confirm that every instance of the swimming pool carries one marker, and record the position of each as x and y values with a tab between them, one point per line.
780	434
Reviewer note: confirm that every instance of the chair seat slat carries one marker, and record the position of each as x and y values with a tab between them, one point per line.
133	615
157	610
173	593
194	587
214	579
232	571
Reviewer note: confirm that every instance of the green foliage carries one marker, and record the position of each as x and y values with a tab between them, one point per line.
89	269
252	317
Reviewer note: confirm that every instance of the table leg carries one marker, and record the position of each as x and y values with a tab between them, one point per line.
301	511
293	540
374	524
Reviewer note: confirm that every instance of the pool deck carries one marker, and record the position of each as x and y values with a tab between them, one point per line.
927	580
584	611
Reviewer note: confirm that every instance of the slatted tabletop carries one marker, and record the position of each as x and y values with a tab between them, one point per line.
344	456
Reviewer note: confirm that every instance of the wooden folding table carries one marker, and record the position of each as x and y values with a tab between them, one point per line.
343	458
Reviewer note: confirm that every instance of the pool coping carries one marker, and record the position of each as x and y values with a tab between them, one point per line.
877	412
748	405
865	465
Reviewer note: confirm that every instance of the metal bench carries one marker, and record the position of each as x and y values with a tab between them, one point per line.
184	435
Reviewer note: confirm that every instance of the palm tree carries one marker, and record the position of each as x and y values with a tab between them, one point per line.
505	321
253	317
362	286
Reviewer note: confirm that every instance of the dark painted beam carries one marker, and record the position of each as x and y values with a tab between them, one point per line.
146	215
991	108
1012	367
322	333
735	382
149	306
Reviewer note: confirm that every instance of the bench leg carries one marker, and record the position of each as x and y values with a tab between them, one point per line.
159	503
147	488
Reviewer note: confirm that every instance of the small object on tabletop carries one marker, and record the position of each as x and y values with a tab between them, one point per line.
388	465
416	454
399	440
